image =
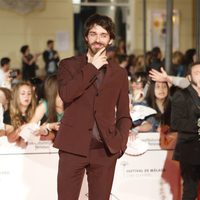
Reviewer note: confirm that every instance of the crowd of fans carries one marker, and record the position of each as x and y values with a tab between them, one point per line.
151	86
25	98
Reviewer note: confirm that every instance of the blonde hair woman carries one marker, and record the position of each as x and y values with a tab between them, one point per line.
22	109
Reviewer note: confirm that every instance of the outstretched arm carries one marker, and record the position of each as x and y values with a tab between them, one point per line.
164	77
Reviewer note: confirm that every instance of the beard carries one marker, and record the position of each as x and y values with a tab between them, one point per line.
93	49
194	82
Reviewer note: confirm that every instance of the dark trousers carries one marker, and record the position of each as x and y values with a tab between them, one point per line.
99	168
191	176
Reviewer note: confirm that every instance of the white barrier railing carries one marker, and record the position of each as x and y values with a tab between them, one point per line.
31	173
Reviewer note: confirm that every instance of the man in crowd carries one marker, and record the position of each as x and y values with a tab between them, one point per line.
185	119
5	78
51	58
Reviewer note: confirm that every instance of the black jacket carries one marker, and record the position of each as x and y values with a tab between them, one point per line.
47	59
184	116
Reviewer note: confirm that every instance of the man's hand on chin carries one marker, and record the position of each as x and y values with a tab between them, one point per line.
99	59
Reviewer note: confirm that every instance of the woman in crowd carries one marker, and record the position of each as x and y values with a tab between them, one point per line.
131	65
29	65
157	98
5	96
121	47
38	87
139	64
178	68
50	111
22	109
156	59
138	82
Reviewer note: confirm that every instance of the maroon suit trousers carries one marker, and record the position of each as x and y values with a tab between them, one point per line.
99	167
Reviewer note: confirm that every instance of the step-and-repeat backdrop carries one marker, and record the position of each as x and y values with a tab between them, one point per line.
31	173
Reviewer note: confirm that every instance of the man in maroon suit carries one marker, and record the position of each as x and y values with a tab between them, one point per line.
96	122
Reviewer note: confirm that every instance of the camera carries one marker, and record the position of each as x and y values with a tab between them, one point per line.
13	74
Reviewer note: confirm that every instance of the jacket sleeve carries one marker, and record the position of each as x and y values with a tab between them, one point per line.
123	119
56	59
45	57
180	82
180	118
72	85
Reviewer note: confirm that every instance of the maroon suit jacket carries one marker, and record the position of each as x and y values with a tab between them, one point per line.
84	103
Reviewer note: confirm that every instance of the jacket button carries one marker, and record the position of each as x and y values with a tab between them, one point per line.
90	129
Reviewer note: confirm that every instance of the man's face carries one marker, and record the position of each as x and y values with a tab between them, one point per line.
6	67
195	75
51	45
97	39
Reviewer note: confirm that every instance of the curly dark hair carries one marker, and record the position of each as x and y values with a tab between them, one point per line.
101	20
